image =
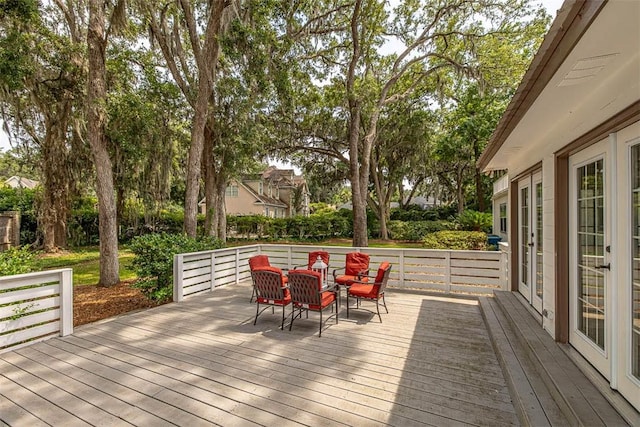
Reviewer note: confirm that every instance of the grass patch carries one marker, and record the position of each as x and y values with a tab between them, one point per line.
85	263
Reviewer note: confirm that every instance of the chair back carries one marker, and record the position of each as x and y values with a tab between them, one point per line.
304	286
356	262
258	261
313	257
268	283
382	277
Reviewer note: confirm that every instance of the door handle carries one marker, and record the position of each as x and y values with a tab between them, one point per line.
606	266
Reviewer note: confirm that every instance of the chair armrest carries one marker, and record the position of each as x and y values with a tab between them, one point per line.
337	269
363	282
363	273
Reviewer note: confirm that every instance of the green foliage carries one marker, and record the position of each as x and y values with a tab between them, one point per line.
153	260
16	199
16	261
456	240
475	221
416	213
416	230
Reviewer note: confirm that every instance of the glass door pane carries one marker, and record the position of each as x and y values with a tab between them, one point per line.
524	237
538	245
590	245
635	262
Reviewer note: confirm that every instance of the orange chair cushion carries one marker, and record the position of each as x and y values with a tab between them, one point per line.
364	291
356	262
285	301
381	271
259	261
327	298
346	279
313	257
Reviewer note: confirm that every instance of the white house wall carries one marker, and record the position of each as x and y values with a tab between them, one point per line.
548	239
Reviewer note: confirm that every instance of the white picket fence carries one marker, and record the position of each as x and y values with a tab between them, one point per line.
34	307
448	272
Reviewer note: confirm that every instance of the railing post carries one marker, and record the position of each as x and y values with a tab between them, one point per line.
447	272
504	264
237	266
213	270
401	268
178	292
66	302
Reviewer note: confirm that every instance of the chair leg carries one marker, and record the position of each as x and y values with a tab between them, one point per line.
257	311
253	293
282	325
293	311
347	303
385	304
320	333
337	311
378	310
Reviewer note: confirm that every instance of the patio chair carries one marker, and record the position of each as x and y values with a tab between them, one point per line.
307	293
361	289
257	262
270	290
313	257
356	268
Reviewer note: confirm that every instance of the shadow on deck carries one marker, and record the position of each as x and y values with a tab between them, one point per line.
203	362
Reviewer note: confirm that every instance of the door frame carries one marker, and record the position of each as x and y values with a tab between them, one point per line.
598	357
528	290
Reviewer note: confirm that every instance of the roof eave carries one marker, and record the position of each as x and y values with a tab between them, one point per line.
572	20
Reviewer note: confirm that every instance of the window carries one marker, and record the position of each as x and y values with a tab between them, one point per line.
231	191
260	188
503	218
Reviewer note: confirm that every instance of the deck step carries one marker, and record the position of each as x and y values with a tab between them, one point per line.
554	390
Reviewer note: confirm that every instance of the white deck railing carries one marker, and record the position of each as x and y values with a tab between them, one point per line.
34	307
449	272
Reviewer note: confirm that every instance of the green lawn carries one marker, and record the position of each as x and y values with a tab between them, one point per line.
86	265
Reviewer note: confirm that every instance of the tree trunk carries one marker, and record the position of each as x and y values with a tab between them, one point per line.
56	181
96	118
460	189
206	79
209	183
221	211
360	237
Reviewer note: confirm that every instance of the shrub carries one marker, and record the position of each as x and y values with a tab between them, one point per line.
475	221
416	230
456	240
153	260
16	261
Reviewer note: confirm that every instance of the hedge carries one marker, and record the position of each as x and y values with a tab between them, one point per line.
456	240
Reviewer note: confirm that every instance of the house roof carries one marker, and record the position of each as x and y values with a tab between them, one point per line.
21	182
585	72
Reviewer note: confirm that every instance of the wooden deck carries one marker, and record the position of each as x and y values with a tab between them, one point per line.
203	362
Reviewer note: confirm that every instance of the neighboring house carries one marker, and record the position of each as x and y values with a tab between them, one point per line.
20	182
276	193
570	140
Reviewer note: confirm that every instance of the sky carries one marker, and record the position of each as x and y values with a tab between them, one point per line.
550	5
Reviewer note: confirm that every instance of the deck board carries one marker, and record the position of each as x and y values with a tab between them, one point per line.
203	362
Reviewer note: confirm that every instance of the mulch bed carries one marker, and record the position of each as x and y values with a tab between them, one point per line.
92	303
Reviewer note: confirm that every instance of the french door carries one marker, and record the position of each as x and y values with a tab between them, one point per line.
530	273
590	260
627	340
